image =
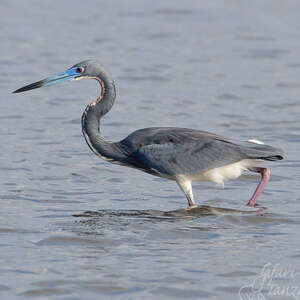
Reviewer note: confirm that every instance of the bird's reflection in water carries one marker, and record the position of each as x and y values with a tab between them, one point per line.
186	213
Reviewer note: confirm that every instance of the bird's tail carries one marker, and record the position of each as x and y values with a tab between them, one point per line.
262	151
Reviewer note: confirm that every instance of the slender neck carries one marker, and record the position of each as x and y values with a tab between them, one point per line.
90	120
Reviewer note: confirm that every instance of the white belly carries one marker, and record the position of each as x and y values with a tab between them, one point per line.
221	174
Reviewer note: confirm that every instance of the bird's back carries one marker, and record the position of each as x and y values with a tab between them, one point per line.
170	151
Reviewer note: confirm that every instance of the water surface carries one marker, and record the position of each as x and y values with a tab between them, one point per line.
75	227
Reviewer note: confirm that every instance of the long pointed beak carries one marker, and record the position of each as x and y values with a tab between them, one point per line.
58	78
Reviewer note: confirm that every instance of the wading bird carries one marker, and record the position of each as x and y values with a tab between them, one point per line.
180	154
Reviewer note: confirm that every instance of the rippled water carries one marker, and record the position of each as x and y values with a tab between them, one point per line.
75	227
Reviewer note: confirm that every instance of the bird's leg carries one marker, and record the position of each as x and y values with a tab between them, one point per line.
265	176
186	186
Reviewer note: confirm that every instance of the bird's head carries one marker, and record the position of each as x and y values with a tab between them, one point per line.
84	69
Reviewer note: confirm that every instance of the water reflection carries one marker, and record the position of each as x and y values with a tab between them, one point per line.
195	212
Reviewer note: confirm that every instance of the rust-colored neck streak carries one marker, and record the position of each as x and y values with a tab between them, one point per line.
93	113
102	90
100	97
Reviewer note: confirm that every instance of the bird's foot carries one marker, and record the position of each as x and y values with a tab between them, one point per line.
260	208
192	206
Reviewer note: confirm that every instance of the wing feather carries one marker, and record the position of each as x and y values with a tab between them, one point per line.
171	151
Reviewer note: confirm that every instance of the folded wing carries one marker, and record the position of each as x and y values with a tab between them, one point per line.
170	151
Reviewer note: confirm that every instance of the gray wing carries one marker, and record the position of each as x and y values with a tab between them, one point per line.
173	151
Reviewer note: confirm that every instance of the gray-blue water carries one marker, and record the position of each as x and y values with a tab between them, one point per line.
75	227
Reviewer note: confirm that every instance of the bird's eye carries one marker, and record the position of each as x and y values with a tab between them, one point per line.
79	69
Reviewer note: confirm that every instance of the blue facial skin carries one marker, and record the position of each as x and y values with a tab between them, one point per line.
58	78
62	77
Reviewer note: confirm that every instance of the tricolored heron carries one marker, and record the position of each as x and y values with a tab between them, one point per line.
180	154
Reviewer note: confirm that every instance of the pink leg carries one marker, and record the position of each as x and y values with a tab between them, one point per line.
265	176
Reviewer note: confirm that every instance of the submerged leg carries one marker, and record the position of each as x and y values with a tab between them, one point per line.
186	187
265	176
